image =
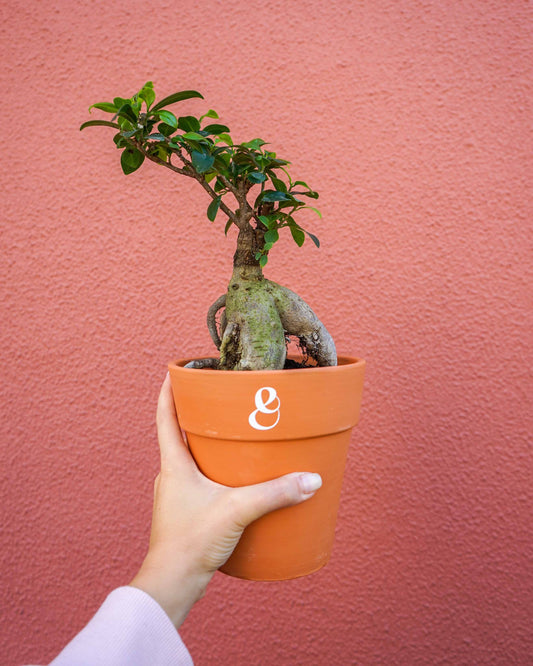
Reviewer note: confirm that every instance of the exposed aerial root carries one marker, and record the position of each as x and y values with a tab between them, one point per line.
211	320
299	319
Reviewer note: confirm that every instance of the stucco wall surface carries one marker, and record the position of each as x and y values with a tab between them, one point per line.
413	120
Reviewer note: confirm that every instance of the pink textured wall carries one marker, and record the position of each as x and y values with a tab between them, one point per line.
413	119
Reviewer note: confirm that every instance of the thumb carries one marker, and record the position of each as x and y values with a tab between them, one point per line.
252	502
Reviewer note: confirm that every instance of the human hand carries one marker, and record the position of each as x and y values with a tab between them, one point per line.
196	523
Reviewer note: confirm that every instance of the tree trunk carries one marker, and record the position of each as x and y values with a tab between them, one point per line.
259	315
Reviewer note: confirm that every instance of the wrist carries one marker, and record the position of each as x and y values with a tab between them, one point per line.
176	591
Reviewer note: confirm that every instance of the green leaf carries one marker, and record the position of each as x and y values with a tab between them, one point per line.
177	97
212	209
156	137
310	193
127	112
202	162
222	164
216	129
278	184
136	104
131	159
313	238
125	124
263	260
209	114
104	106
194	136
238	170
241	157
227	227
162	152
277	163
316	211
219	184
275	195
120	101
255	144
271	236
270	221
96	123
147	93
226	138
189	124
219	150
256	177
120	141
168	118
165	129
298	235
262	161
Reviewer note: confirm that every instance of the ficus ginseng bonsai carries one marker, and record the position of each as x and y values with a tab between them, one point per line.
253	189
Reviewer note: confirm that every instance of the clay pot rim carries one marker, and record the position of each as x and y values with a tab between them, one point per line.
343	361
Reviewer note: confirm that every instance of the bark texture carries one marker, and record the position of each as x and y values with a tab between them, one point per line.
258	316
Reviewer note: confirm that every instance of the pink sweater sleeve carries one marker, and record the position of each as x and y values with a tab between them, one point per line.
129	629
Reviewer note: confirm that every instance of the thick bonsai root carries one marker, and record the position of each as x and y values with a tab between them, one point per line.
258	316
200	363
298	319
211	320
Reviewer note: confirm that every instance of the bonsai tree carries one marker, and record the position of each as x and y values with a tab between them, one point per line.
251	187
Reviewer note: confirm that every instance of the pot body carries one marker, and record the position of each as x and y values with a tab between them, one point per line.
248	427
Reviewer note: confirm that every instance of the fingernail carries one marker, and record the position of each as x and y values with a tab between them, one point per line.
309	482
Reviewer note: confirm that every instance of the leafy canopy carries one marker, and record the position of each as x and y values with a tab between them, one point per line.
205	150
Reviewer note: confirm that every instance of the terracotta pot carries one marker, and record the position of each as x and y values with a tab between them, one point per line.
248	427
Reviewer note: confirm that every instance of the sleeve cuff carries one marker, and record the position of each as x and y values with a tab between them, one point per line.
129	629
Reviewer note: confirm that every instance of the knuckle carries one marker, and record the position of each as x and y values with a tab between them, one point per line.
288	491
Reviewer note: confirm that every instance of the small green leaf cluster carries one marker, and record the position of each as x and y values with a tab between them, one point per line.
284	203
206	151
136	119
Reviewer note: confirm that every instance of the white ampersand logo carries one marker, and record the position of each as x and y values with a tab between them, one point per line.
263	407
